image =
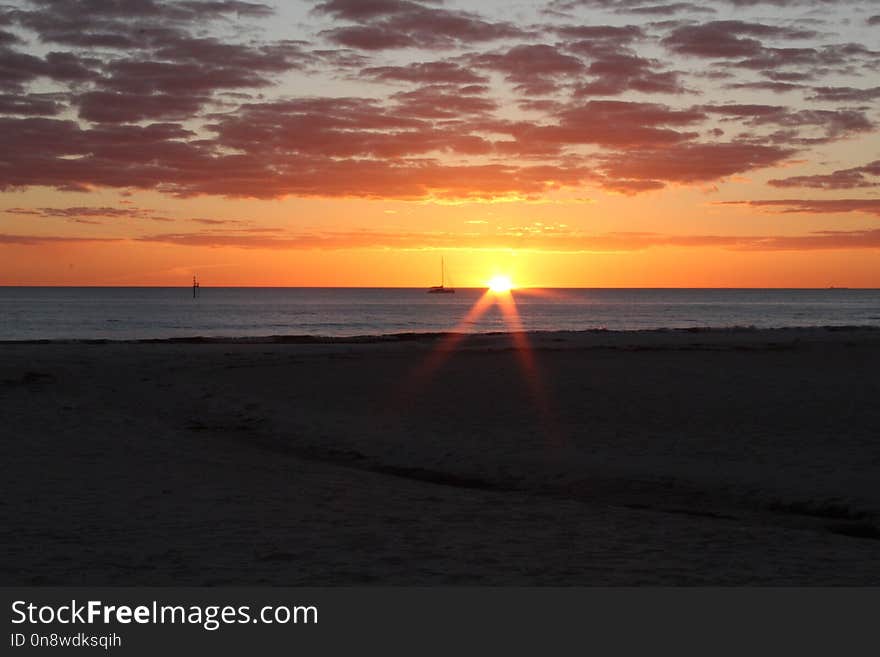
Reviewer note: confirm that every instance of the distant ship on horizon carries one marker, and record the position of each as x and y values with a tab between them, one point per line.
441	289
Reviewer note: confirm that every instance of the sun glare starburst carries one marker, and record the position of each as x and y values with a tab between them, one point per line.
500	284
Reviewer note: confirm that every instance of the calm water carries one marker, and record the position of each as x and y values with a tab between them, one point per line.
132	313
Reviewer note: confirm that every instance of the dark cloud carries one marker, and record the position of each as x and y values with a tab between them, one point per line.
775	87
163	70
445	102
225	58
358	128
69	67
310	148
149	90
614	66
183	98
602	43
561	241
852	178
31	104
438	72
643	6
365	10
374	37
36	240
834	124
62	154
728	39
789	3
814	206
558	239
617	74
141	89
121	24
115	107
631	187
80	212
741	45
17	69
605	34
689	163
328	127
362	147
811	62
846	94
391	24
606	123
8	38
92	215
670	9
533	69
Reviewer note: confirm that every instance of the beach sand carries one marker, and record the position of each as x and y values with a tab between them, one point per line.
596	458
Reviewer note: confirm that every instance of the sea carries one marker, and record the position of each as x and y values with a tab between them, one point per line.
137	313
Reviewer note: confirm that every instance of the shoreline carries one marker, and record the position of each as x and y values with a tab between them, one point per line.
397	337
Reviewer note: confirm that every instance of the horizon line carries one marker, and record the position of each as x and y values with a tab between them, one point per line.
421	287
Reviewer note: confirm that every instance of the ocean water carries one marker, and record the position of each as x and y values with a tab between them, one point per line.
28	313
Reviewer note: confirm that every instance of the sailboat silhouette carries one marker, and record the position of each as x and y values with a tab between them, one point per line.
441	289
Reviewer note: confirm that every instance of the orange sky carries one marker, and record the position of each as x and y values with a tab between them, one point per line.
569	143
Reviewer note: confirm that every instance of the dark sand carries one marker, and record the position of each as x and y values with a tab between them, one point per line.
716	457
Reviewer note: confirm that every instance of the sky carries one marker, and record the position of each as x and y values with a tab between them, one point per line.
563	143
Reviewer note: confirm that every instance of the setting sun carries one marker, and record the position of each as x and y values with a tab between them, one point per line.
500	284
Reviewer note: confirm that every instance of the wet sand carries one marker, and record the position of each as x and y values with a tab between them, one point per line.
597	458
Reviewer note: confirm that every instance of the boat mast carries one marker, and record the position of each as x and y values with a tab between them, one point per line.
442	273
